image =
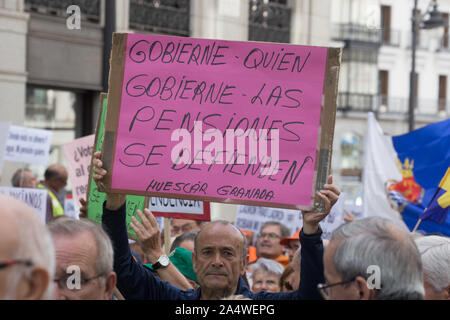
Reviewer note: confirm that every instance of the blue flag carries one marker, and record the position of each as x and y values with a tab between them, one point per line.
437	209
423	160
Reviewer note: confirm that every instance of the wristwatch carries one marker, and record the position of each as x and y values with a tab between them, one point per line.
163	261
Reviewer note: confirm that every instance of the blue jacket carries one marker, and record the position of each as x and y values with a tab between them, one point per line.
136	282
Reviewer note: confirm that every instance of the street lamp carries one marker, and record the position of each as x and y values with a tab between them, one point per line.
431	19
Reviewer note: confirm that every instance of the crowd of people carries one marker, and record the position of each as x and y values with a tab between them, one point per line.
370	258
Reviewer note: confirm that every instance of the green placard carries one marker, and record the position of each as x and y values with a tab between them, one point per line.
96	198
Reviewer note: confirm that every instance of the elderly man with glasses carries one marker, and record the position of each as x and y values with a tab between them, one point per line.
26	253
84	260
372	259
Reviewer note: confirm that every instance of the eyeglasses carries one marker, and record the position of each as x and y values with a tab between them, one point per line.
269	235
10	263
323	288
66	284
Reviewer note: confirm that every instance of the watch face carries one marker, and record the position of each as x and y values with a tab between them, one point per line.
164	260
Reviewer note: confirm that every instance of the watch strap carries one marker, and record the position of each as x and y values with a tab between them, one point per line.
156	266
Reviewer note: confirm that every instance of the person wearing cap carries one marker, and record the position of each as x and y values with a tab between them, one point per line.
291	244
182	260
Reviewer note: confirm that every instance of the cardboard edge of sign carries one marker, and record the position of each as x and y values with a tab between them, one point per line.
324	143
327	124
116	74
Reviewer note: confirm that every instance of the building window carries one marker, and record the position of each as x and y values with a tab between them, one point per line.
161	16
269	20
383	87
351	173
445	37
89	9
360	54
56	110
386	24
351	151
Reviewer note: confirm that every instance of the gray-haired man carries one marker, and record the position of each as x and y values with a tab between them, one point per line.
84	260
372	258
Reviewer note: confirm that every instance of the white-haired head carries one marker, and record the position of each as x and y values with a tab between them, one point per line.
268	265
31	241
435	252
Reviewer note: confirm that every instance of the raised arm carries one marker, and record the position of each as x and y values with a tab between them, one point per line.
311	269
149	238
133	280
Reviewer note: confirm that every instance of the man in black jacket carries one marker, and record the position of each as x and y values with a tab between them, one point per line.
219	258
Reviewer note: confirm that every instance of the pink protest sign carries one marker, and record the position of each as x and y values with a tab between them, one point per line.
78	154
236	122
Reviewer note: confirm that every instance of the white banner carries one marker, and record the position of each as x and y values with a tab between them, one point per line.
35	198
28	145
252	218
175	205
71	210
4	134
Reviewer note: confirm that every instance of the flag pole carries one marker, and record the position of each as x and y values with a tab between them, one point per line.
167	235
417	225
431	201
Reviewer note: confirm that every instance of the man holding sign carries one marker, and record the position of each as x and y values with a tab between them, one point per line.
219	255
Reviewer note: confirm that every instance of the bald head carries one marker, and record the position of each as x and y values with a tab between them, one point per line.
56	176
23	237
219	225
219	259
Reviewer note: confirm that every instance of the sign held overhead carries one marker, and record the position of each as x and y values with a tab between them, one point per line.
225	121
